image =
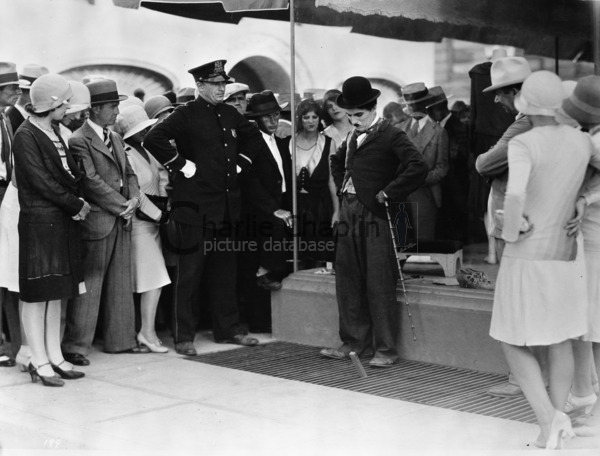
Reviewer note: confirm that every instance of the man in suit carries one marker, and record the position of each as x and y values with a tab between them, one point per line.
29	73
432	141
214	143
266	205
455	186
111	188
9	93
377	163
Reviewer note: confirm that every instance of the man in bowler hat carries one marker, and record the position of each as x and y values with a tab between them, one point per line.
111	187
214	143
377	163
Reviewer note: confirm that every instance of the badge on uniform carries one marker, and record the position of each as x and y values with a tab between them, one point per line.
233	133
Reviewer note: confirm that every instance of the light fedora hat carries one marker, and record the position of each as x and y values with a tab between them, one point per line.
29	73
81	99
49	91
133	119
235	87
584	103
508	71
8	74
541	95
104	91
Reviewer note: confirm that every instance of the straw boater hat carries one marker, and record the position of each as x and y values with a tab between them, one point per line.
436	96
104	91
157	105
132	120
210	72
81	99
30	73
49	91
8	74
508	71
541	95
263	103
584	103
418	97
357	92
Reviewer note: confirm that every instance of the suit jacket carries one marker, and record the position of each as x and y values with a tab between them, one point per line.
261	186
15	117
217	138
432	142
386	160
103	179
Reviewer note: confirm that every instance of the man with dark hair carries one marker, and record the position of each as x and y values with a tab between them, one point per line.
377	163
214	143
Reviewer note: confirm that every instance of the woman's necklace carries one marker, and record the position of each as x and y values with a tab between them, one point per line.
41	126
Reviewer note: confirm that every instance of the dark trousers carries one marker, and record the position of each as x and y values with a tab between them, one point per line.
210	258
107	275
9	308
365	278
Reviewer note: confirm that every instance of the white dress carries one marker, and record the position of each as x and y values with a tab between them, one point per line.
9	240
541	295
148	264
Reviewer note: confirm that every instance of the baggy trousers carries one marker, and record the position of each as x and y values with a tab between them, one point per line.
366	277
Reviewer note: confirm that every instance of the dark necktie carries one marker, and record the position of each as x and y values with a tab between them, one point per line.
109	146
414	129
6	154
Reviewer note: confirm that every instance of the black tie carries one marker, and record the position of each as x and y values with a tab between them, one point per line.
109	146
6	146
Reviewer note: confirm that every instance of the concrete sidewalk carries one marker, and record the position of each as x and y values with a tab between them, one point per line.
164	404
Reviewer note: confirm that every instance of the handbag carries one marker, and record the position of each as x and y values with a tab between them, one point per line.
161	202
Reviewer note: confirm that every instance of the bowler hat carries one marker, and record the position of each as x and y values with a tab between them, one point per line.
185	94
49	92
8	74
156	105
356	92
210	72
30	73
508	71
541	95
584	103
132	120
81	97
104	91
263	103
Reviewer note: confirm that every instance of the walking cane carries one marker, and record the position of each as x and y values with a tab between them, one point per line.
395	243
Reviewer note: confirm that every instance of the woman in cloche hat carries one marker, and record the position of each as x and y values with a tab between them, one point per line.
540	296
148	264
49	234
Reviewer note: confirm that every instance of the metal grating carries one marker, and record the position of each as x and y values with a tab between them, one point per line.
412	381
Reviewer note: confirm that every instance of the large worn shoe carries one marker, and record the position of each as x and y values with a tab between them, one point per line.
334	353
381	362
505	390
186	348
5	361
77	359
268	283
240	339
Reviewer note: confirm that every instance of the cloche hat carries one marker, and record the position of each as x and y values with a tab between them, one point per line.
81	99
49	91
156	105
584	103
541	95
132	120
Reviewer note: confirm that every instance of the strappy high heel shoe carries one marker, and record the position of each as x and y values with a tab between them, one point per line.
560	430
46	381
67	374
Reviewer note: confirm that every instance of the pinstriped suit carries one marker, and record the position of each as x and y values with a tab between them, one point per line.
106	246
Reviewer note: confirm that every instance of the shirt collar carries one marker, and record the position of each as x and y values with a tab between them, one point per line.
97	129
444	121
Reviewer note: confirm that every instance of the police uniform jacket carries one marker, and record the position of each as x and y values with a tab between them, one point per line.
218	139
386	160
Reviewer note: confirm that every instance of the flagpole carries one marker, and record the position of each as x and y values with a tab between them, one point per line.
293	139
